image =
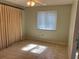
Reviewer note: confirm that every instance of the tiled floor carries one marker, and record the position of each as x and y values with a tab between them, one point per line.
39	50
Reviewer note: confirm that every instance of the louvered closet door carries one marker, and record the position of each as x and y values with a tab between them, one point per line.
0	29
18	25
3	27
10	25
13	24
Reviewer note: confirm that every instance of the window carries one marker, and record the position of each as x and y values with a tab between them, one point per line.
46	20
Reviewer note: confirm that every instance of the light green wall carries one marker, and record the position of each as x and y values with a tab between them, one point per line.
60	36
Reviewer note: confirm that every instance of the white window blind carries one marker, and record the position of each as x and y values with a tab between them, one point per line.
47	20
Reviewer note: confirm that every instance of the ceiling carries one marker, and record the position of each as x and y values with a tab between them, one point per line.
46	2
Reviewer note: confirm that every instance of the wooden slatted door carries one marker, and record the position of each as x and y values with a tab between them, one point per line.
14	24
0	29
10	25
3	27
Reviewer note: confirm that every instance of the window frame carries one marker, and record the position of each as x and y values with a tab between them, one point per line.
54	11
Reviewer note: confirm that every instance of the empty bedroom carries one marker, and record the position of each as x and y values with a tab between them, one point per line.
39	29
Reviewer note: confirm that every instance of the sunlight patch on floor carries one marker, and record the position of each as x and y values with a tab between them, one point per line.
29	47
34	48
